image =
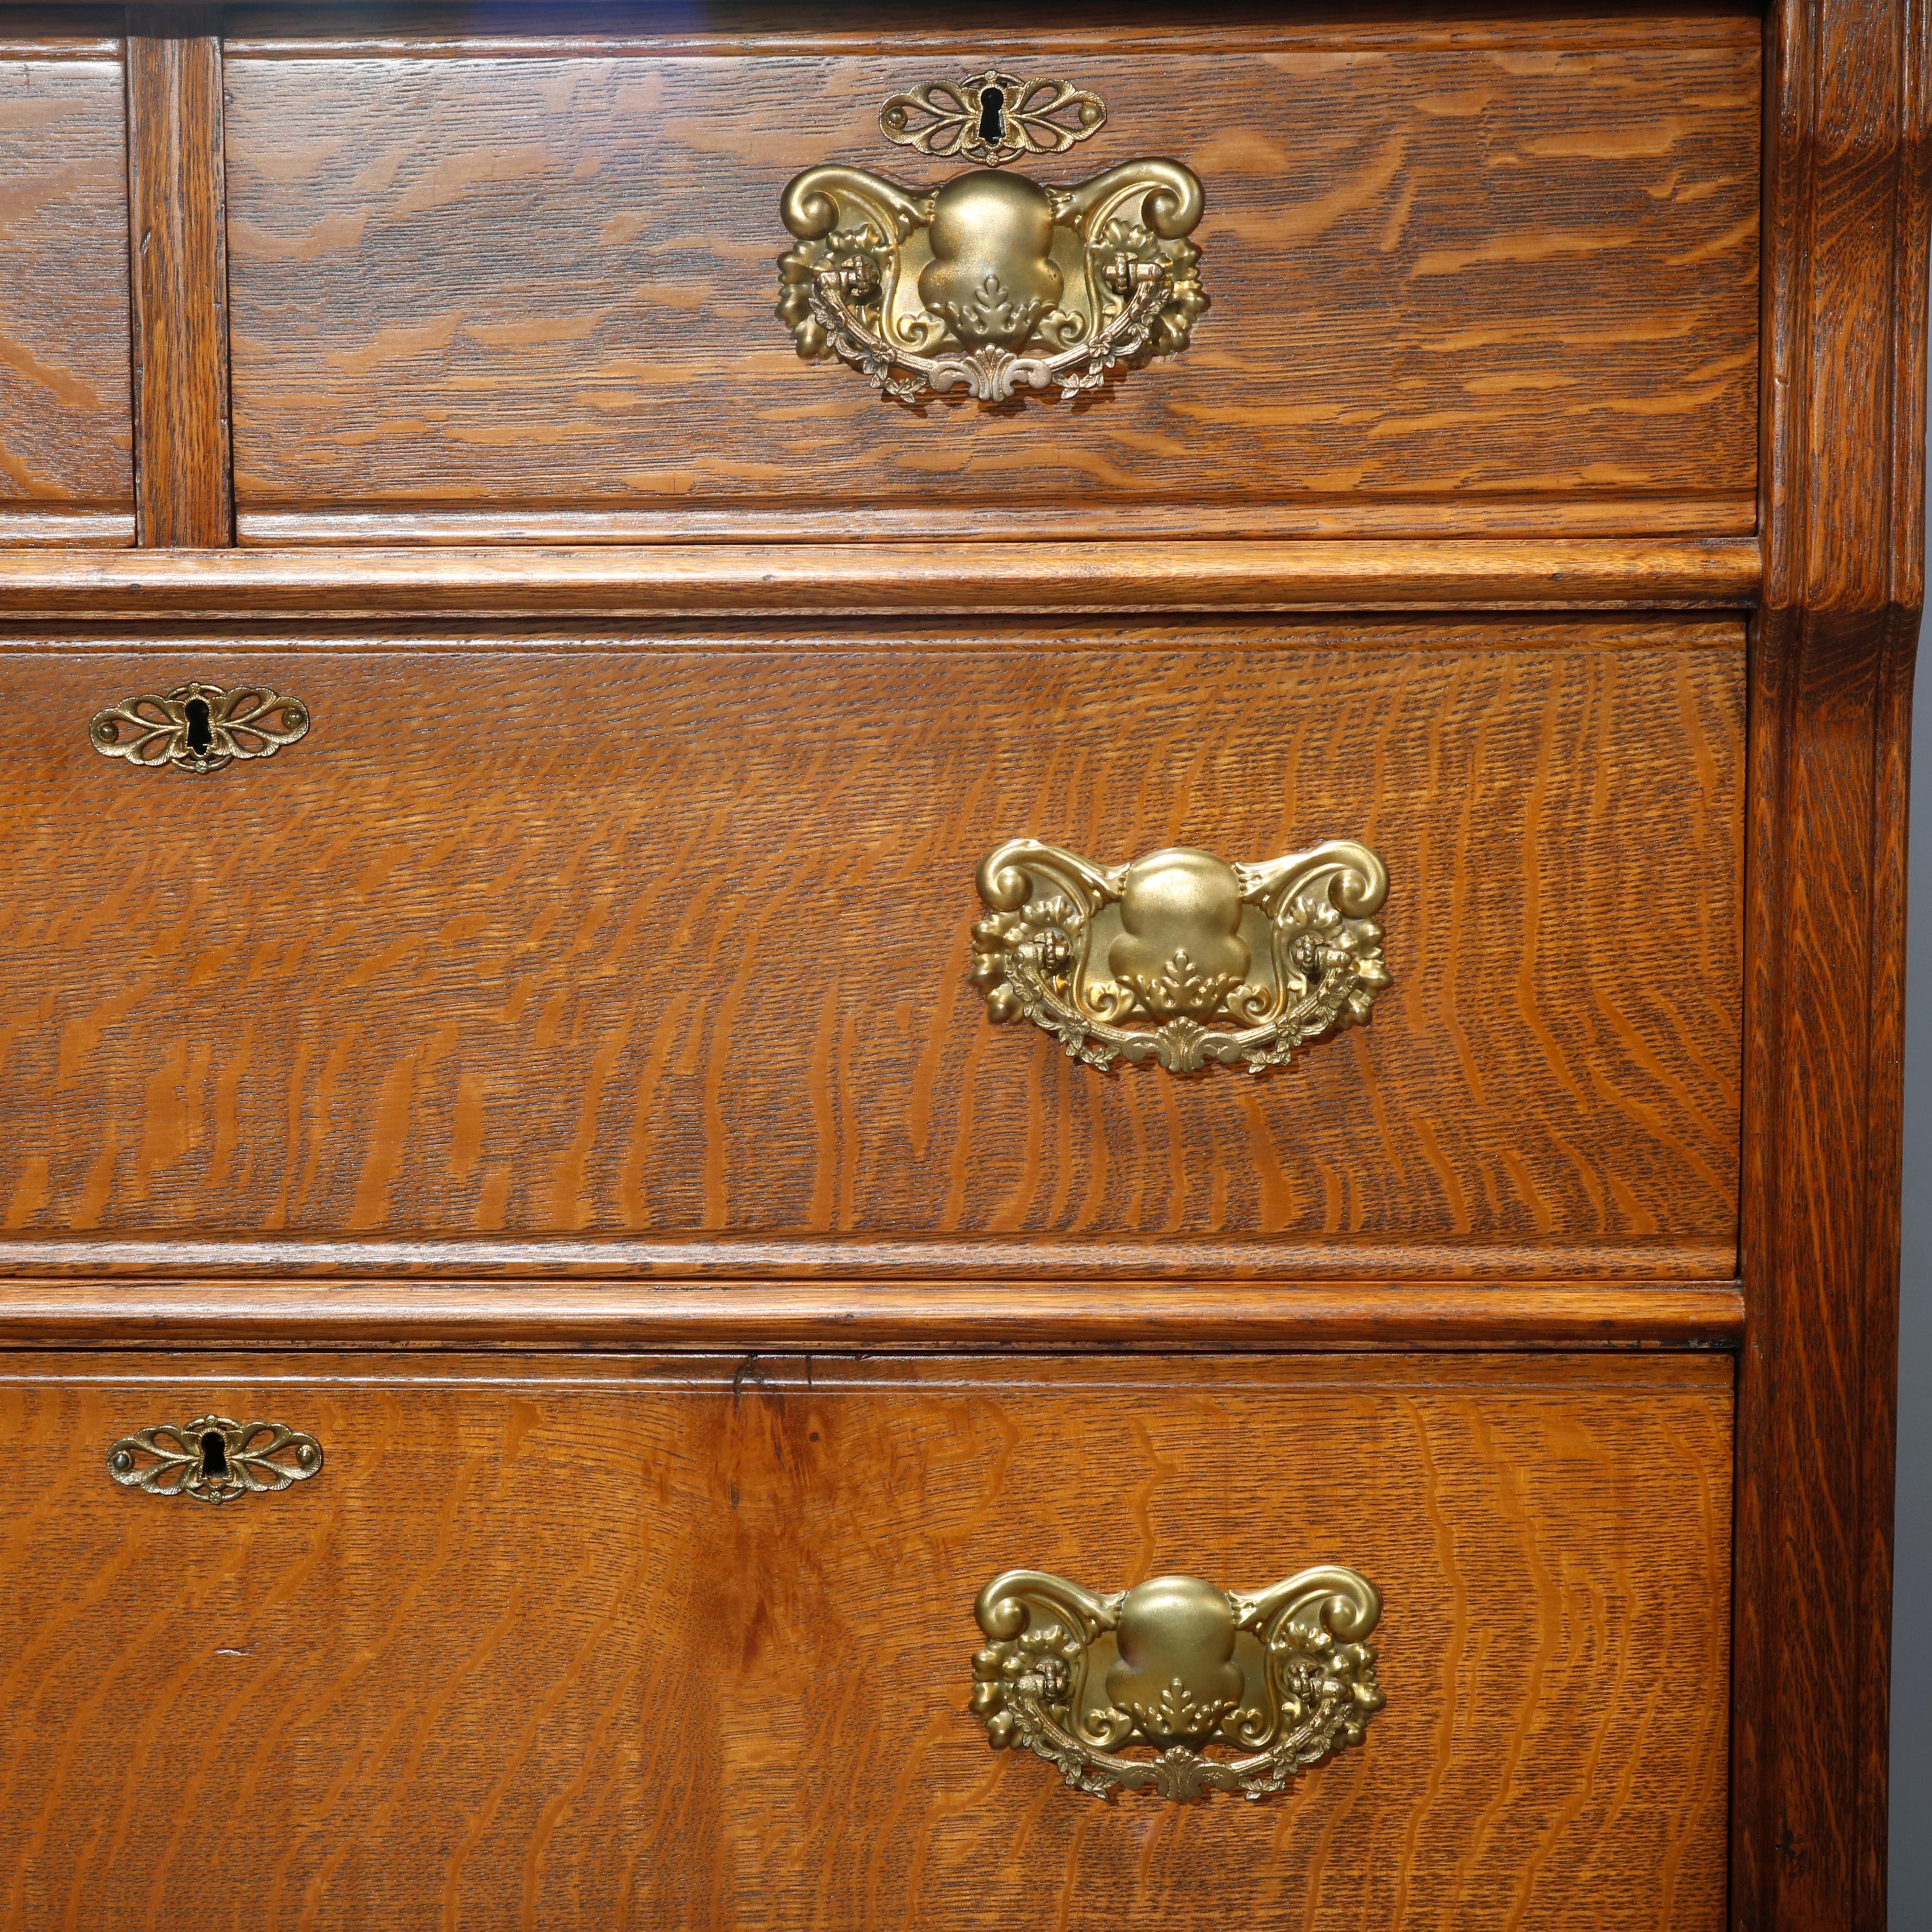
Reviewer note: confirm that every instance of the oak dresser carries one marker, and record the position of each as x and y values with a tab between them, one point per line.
951	962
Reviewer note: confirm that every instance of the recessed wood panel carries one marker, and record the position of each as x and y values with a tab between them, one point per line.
609	1645
1519	272
668	936
66	441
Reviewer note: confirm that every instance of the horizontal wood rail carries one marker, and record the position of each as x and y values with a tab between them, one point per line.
1410	519
1142	1317
1274	1263
879	578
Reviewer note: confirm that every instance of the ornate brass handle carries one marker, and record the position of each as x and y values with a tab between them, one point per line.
1180	957
199	727
1281	1678
990	283
213	1459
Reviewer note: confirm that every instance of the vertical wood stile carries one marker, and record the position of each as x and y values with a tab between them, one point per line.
183	487
1842	510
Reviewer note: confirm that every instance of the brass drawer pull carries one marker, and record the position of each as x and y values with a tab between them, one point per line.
992	283
1281	1677
199	727
1180	957
213	1459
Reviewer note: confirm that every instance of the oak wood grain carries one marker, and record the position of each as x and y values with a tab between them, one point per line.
65	422
624	1643
177	200
507	29
1074	520
672	940
85	529
1844	480
1454	271
669	580
1117	1314
737	1258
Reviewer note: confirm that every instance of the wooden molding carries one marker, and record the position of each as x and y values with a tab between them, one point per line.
177	217
94	529
838	1318
1332	519
1844	427
434	29
1276	1264
919	579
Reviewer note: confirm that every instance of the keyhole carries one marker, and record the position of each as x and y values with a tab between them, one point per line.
214	1444
993	115
200	737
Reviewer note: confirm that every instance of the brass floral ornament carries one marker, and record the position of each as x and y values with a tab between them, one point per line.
213	1459
199	727
990	283
1180	957
1273	1682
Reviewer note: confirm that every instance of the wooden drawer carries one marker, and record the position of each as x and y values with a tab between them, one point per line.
590	936
610	1643
66	461
1495	274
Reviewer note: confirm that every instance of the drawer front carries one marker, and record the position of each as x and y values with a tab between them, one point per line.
1513	263
66	465
569	937
617	1643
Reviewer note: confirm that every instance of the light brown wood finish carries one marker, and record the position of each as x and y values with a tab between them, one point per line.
1843	171
1116	1314
669	580
180	278
1844	423
591	939
65	431
1524	272
1077	520
736	1258
432	29
623	1644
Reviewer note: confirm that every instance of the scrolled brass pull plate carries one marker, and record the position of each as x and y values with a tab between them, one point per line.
199	727
1279	1679
1180	957
213	1459
992	283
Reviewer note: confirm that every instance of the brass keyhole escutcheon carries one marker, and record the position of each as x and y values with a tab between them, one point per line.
200	728
213	1459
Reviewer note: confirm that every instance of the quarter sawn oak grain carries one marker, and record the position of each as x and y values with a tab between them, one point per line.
1496	304
590	939
65	430
1844	483
180	280
1526	273
618	1644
